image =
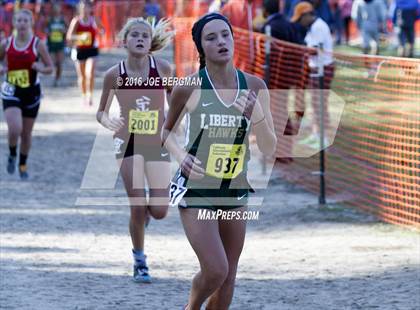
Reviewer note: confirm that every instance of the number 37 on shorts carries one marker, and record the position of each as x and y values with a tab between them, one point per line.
176	192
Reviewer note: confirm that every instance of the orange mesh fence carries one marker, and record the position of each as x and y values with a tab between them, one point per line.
112	13
374	162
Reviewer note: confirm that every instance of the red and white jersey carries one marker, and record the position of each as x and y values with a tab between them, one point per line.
87	33
142	106
20	61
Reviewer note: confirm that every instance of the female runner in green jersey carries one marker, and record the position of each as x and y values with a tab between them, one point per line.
213	165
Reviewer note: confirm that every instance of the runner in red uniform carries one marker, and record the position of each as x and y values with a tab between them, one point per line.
82	35
21	91
138	128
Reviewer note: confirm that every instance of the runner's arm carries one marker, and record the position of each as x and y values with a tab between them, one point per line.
46	67
108	92
2	55
177	111
46	28
264	126
70	36
100	26
165	71
180	99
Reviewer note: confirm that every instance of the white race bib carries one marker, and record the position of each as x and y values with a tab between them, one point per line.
8	89
117	145
177	192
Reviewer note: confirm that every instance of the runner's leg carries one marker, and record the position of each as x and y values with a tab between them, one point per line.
59	59
132	173
13	116
205	240
26	135
158	177
232	233
90	77
81	75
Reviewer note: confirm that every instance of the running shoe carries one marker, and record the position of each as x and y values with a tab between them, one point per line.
11	164
23	173
141	273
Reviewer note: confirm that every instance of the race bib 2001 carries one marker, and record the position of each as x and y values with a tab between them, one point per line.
84	39
143	122
19	78
225	161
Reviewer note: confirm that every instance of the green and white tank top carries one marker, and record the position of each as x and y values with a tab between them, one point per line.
217	134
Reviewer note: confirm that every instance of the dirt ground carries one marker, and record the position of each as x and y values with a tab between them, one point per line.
59	254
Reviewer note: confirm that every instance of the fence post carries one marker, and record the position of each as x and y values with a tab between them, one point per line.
266	78
321	198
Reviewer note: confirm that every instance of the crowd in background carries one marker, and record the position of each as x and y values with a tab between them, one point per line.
389	21
376	20
42	12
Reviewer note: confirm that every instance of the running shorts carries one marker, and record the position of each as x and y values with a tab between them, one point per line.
123	149
27	99
82	54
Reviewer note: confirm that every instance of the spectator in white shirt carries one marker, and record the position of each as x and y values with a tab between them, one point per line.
318	36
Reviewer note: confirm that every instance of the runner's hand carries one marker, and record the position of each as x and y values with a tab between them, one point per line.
190	166
37	66
249	106
115	123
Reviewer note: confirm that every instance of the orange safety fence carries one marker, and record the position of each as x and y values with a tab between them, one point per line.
374	162
112	13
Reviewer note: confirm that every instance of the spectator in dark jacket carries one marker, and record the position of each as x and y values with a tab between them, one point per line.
286	71
281	28
405	15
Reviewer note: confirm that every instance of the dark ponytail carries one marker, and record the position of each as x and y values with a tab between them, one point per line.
202	60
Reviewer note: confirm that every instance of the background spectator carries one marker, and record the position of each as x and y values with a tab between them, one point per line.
370	17
284	62
152	8
345	9
318	36
337	21
405	15
281	28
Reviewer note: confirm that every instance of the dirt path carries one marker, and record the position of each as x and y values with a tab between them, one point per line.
58	255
